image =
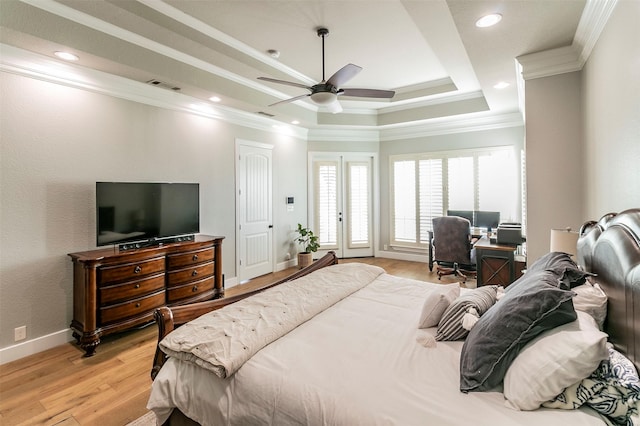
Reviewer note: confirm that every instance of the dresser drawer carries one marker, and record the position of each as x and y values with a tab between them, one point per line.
132	308
182	260
190	290
130	289
135	270
183	276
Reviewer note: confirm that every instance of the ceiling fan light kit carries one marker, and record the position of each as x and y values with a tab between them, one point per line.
326	92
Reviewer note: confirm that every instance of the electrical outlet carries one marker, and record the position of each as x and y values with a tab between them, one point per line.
20	333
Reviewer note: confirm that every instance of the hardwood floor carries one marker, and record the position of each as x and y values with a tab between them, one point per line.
61	387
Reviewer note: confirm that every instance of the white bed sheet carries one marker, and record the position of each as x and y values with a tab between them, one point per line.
357	363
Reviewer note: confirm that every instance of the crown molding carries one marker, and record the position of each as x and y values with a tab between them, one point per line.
21	62
474	122
565	59
434	127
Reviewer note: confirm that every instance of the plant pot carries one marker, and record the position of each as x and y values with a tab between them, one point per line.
305	259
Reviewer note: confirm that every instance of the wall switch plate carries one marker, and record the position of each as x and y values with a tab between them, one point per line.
20	333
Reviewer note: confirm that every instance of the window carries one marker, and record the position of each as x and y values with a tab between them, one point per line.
424	186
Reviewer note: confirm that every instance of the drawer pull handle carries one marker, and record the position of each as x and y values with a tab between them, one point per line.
194	273
195	257
137	305
195	288
137	286
137	270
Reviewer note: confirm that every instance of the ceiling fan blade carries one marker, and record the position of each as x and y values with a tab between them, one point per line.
288	83
334	107
367	93
290	100
344	74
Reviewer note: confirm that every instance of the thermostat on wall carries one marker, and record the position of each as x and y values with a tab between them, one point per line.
290	204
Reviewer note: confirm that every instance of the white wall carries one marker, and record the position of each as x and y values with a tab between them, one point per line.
58	141
553	153
611	115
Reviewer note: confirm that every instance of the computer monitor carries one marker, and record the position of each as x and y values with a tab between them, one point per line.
489	220
467	214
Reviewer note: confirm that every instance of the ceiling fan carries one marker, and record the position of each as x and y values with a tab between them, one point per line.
326	92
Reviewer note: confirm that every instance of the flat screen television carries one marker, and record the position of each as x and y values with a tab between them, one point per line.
145	212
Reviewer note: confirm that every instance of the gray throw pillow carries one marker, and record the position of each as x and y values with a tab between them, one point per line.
532	307
561	264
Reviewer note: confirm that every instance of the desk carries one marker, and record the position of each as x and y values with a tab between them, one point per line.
497	264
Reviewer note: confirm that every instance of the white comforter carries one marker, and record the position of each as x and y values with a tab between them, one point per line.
356	363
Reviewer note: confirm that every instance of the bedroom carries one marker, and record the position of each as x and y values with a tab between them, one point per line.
58	140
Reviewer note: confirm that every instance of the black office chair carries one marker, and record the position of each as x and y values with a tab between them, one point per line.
454	253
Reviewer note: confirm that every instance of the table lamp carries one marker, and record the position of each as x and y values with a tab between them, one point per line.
564	240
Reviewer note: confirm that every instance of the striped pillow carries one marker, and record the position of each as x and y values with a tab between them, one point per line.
450	325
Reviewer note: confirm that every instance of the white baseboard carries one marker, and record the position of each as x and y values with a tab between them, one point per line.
286	264
34	346
404	256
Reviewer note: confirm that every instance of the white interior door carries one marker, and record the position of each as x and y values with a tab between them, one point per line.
255	229
341	188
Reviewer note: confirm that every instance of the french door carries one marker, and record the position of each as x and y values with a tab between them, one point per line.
341	188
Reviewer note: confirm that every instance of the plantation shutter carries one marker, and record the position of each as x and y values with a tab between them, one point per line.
431	195
326	214
358	175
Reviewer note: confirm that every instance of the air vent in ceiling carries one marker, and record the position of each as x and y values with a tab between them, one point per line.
266	114
164	85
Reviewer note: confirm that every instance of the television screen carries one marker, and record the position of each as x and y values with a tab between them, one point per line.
131	211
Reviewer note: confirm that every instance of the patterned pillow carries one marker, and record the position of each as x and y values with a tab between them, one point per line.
450	325
613	390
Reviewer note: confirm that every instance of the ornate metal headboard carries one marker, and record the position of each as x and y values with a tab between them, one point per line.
610	248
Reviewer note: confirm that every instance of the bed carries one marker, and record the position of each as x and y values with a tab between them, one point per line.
349	344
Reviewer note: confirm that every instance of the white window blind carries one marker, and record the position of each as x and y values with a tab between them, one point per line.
461	183
404	201
326	181
358	213
431	195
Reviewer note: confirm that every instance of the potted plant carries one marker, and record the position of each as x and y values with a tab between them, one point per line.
309	243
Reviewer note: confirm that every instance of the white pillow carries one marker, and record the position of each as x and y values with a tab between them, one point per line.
591	299
554	360
436	303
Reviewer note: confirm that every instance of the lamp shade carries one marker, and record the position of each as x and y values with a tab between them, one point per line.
564	240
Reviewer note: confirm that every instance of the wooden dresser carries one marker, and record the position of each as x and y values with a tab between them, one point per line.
116	290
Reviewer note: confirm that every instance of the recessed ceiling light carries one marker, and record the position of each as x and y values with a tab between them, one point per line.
66	56
295	122
215	99
488	20
501	85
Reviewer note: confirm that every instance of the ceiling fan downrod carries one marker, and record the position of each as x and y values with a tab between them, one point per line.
322	33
